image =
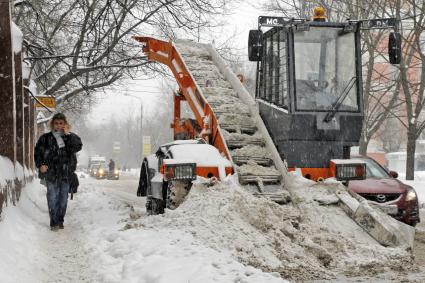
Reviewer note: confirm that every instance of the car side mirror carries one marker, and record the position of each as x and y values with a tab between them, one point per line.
394	48
254	45
394	174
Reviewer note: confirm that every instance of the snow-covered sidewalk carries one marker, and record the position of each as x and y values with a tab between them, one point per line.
96	246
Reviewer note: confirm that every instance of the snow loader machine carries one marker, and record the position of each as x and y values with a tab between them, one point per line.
309	87
307	111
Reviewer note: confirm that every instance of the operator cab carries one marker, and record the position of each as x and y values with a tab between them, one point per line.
309	87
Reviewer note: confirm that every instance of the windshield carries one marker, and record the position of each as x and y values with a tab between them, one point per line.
325	69
374	170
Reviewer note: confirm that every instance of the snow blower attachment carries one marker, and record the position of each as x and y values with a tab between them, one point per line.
223	117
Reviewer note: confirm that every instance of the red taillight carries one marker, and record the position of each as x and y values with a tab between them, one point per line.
360	171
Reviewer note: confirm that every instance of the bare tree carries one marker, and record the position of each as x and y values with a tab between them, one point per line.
412	72
79	46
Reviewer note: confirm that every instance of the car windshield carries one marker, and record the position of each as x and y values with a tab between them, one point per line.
374	170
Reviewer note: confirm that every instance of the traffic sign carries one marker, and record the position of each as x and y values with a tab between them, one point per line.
147	149
44	102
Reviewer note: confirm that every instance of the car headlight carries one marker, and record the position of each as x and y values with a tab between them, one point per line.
101	171
411	195
116	171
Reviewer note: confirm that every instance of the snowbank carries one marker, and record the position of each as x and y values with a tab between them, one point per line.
317	244
12	178
20	257
153	254
7	171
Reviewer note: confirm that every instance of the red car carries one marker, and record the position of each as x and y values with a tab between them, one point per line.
382	188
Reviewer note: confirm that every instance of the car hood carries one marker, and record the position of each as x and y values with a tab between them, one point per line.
377	186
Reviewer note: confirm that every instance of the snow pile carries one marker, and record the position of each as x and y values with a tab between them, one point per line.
7	171
252	168
186	47
19	171
318	243
252	151
27	172
236	119
21	259
160	254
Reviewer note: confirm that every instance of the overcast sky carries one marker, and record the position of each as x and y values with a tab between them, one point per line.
122	100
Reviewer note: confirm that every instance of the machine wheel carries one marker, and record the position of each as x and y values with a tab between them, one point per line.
176	193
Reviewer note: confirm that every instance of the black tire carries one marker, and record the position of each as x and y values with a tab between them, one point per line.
171	202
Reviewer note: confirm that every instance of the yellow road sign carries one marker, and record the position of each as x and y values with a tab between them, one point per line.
45	101
146	141
147	149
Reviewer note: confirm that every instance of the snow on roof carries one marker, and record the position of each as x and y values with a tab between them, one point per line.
205	155
181	142
7	170
17	37
178	161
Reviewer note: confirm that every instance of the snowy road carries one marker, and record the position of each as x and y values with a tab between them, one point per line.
108	238
97	246
123	189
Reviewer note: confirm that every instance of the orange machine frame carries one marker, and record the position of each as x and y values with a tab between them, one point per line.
166	53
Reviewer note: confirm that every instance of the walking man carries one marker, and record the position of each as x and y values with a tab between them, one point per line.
111	166
55	157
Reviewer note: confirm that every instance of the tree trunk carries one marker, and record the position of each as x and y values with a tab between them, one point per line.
363	143
410	155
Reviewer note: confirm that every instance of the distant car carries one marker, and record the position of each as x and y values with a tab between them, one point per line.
383	189
100	172
92	170
113	175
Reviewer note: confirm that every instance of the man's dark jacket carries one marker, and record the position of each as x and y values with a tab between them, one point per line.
61	162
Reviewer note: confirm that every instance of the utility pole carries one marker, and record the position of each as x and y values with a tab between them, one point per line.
7	89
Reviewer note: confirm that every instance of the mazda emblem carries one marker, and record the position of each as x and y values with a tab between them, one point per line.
381	198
